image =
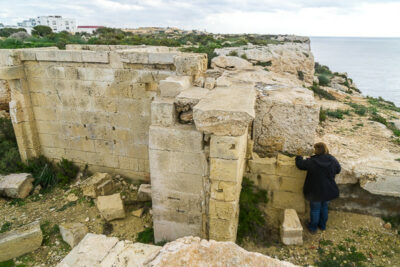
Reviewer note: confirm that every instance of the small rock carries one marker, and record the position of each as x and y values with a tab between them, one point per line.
99	184
138	213
72	197
87	219
144	193
37	190
111	207
72	233
16	185
133	187
387	226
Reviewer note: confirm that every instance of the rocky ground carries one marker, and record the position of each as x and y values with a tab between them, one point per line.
69	205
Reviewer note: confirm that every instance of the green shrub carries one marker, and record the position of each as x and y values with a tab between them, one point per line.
264	64
300	74
338	113
323	80
244	56
358	108
378	118
10	160
146	236
5	227
322	93
251	220
322	115
233	53
322	69
66	171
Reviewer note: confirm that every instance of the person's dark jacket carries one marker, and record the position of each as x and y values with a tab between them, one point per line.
320	182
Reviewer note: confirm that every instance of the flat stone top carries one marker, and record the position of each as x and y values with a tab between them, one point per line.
14	179
291	220
229	99
192	95
24	230
289	95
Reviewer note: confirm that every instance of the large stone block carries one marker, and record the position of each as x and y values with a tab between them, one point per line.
225	191
225	111
228	147
183	138
73	233
177	201
99	184
111	207
185	182
226	170
223	210
286	120
20	241
89	252
163	112
172	86
289	200
16	185
291	229
162	58
144	192
5	95
222	230
11	73
169	230
190	64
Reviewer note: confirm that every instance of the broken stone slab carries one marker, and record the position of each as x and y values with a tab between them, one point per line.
20	241
89	252
230	63
144	193
128	254
387	183
16	185
225	111
73	233
291	229
172	86
187	99
111	207
194	251
99	184
138	213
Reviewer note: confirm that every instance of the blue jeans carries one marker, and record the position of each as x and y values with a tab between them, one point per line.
318	215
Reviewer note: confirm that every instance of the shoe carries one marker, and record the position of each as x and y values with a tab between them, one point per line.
311	231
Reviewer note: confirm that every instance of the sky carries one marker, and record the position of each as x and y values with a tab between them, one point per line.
368	18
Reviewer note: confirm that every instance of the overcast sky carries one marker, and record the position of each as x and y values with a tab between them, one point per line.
380	18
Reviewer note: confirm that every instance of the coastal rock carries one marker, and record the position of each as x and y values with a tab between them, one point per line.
193	251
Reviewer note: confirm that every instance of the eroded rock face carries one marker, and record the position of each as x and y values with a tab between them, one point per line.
286	120
283	58
193	251
230	63
5	96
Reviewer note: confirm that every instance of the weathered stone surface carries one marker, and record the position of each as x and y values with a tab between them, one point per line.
16	185
5	95
138	212
190	64
99	184
209	83
291	229
128	254
89	252
111	207
73	233
230	63
144	192
286	120
20	241
172	86
193	251
163	112
187	99
225	111
228	147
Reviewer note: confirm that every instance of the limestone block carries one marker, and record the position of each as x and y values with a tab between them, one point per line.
184	182
188	98
111	207
292	184
230	63
89	252
16	185
226	170
68	56
223	230
209	83
286	166
177	201
134	57
288	200
20	241
169	230
172	86
46	55
27	55
199	82
225	111
144	192
228	147
95	57
12	73
225	191
125	253
183	138
161	58
5	95
99	184
387	184
286	120
190	64
223	210
177	215
73	233
291	229
265	165
165	162
163	112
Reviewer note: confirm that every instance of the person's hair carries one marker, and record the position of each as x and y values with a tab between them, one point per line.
321	149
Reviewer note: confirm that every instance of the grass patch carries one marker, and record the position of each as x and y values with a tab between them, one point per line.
10	160
233	53
358	108
146	236
382	103
321	93
338	113
322	115
17	202
340	255
5	227
264	63
251	219
50	232
66	206
244	56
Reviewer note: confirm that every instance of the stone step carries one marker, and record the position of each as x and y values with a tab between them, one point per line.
291	229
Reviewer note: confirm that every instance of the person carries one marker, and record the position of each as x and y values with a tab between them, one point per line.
320	186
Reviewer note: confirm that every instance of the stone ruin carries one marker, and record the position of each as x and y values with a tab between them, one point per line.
159	115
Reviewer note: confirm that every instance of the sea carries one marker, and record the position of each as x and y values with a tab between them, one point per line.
372	63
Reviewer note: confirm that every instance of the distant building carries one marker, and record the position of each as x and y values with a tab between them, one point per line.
87	29
56	23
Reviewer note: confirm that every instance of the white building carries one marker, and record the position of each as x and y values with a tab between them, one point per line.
56	23
87	29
